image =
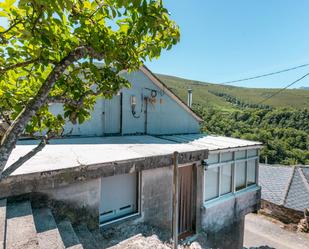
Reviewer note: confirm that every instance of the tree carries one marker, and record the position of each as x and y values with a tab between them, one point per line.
48	53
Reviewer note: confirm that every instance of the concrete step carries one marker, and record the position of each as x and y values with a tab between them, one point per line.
20	229
86	238
47	230
2	222
68	235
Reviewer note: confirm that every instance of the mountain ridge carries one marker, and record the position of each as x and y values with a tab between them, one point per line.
207	94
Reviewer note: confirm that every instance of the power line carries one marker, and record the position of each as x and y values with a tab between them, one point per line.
265	75
282	89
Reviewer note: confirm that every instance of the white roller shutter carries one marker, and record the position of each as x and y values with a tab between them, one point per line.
118	197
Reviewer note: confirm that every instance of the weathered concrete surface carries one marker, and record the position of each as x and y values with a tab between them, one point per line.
229	237
86	238
2	222
74	152
157	197
21	232
47	230
262	231
36	182
68	235
82	195
223	221
228	210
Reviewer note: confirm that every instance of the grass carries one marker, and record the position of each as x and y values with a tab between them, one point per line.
296	98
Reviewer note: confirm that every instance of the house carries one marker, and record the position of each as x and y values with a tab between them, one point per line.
285	191
117	167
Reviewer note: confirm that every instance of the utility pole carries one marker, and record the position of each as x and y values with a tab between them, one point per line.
175	199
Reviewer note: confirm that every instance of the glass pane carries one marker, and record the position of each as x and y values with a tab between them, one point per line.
213	158
226	179
251	171
226	156
240	154
211	183
240	175
252	153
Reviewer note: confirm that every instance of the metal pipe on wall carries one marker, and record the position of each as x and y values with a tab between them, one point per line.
189	101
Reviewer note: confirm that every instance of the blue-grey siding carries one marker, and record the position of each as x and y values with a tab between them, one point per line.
164	114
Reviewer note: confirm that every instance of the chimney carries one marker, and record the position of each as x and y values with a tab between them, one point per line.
189	103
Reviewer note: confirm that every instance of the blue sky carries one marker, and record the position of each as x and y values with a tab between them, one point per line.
223	40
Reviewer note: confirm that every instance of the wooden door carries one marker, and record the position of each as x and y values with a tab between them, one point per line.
186	201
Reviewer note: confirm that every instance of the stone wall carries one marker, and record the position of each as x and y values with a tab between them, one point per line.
286	215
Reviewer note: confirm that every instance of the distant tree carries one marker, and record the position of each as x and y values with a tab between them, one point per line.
284	132
47	53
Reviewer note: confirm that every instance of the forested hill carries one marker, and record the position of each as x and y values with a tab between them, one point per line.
281	123
208	94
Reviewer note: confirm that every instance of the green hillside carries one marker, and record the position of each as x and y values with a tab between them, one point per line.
205	94
281	123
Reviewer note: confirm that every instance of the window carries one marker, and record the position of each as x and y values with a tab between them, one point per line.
118	197
223	167
226	179
252	153
251	167
227	156
240	154
212	183
240	175
213	158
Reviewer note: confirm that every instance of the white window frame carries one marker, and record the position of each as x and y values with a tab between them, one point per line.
233	163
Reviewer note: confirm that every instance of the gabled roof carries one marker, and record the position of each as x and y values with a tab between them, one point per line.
168	91
298	194
285	185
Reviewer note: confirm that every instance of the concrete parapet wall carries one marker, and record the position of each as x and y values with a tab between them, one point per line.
223	219
156	199
36	182
82	195
226	211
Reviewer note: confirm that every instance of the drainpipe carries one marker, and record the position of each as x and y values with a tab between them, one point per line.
146	115
189	101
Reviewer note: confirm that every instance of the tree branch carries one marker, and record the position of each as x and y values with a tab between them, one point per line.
62	100
11	136
77	103
8	171
11	27
17	65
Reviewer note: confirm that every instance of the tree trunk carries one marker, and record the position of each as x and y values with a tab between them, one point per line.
9	170
11	136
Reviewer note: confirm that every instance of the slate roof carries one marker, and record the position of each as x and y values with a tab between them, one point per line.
298	195
285	186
